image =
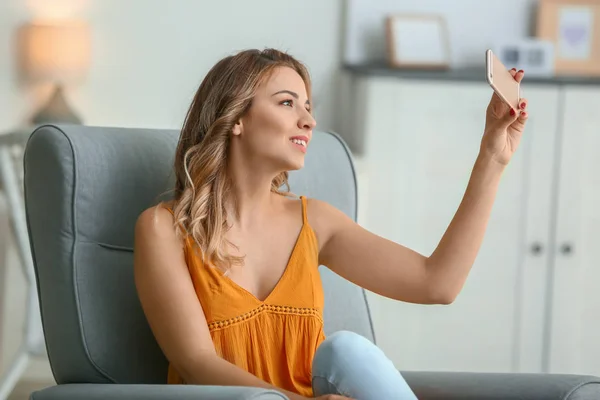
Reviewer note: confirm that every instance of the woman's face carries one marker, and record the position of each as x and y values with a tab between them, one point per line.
277	128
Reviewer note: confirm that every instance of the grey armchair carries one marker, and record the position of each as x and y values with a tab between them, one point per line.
85	187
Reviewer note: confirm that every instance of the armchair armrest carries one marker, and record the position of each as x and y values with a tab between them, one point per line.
505	386
88	391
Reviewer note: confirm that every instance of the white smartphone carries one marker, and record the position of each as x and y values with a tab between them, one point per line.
501	81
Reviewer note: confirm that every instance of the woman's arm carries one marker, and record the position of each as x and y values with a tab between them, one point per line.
451	262
394	271
172	308
397	272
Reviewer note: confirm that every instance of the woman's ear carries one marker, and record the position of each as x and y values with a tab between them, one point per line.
237	128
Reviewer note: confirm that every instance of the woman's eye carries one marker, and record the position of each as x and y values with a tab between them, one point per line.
289	103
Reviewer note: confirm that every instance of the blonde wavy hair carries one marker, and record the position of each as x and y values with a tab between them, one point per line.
202	187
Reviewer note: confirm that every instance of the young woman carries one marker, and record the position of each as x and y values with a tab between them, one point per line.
227	271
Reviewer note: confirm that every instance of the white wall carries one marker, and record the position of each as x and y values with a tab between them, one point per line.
149	57
473	25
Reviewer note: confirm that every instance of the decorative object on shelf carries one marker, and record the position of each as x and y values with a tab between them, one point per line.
418	41
56	52
574	28
535	56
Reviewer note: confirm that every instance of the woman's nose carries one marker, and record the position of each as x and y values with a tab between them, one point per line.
307	122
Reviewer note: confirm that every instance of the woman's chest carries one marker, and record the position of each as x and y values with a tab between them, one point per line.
266	258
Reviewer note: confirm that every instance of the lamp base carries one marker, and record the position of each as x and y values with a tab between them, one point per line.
56	110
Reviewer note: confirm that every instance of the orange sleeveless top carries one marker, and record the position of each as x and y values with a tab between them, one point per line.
275	339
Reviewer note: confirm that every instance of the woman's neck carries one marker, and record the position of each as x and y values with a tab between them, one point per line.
251	198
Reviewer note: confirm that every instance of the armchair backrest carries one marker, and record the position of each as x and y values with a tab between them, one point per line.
84	189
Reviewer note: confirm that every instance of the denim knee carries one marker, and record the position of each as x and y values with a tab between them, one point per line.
348	363
335	352
339	349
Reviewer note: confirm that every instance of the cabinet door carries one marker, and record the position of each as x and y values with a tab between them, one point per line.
538	151
422	139
574	345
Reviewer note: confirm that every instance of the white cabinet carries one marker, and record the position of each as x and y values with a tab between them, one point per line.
574	337
526	306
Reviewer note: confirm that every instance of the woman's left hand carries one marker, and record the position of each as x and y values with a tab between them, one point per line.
504	126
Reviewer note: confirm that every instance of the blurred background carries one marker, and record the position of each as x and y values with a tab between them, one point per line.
404	83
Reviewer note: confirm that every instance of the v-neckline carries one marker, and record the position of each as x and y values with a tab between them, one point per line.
281	278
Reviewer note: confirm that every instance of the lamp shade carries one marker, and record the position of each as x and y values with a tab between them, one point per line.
55	51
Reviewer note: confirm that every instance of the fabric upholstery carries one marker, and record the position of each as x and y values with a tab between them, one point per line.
153	392
522	386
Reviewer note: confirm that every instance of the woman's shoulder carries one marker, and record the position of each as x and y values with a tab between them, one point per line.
323	218
319	210
156	223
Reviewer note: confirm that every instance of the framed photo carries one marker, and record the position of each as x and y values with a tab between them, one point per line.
574	28
430	51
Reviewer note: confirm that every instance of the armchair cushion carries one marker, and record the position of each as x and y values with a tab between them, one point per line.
502	386
153	392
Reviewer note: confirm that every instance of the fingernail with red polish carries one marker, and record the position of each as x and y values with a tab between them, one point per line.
513	69
521	71
524	114
512	112
523	105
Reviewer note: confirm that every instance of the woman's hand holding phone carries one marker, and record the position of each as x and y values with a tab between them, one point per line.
504	126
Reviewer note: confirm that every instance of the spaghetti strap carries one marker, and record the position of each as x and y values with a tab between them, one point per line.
181	226
304	217
168	209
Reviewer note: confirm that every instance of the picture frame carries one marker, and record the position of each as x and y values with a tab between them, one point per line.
573	26
431	51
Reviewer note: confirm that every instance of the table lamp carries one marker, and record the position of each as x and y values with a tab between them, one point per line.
55	52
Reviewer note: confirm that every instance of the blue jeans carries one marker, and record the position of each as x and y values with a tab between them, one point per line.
350	365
